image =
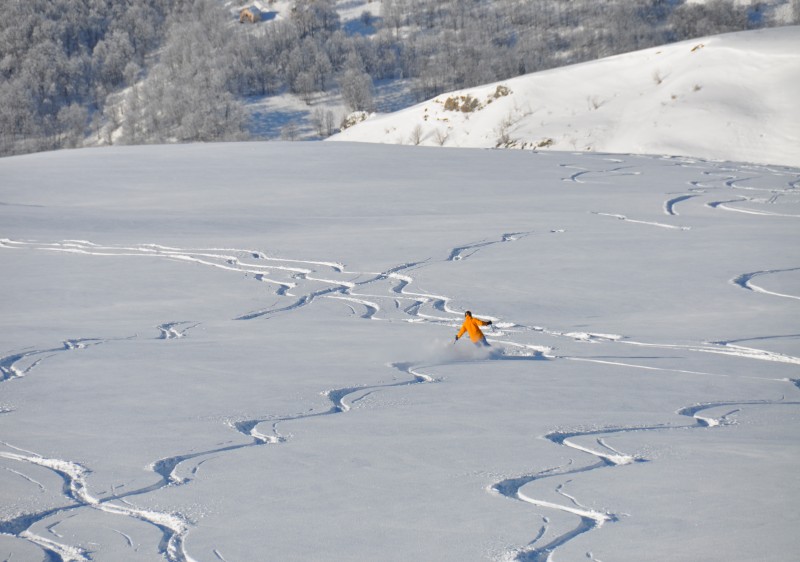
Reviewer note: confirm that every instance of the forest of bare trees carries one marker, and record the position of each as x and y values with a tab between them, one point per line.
153	71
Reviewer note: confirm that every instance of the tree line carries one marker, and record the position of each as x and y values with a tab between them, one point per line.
181	70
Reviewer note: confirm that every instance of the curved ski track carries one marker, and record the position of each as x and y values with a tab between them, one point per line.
386	296
605	457
745	281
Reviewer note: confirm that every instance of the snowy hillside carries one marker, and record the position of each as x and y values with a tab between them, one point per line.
728	97
246	352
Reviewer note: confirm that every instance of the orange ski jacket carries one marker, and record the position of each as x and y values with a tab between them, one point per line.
472	325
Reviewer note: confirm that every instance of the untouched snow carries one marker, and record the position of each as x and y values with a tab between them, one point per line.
245	352
727	97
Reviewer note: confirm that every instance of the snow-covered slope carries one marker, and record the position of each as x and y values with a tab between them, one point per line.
244	352
727	97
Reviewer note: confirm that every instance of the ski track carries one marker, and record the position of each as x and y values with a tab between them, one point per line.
777	183
75	488
605	457
669	205
464	252
10	370
578	176
386	296
745	281
635	221
73	475
171	330
725	206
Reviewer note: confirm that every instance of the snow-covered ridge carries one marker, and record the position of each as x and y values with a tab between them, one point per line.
726	97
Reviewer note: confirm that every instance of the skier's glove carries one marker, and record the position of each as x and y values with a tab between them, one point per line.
488	322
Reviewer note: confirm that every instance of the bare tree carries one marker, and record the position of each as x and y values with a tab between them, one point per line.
416	135
357	90
324	122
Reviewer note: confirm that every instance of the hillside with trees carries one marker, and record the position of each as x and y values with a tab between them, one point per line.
89	72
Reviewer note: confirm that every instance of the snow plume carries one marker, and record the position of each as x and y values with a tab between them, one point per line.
450	351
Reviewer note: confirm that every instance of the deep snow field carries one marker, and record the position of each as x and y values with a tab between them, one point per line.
245	352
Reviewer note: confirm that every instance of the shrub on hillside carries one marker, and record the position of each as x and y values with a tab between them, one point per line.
464	104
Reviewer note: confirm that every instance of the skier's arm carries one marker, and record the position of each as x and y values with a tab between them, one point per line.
461	332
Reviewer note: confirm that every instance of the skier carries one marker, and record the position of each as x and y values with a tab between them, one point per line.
472	325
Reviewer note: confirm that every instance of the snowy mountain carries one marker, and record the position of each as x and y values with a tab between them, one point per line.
726	97
238	352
